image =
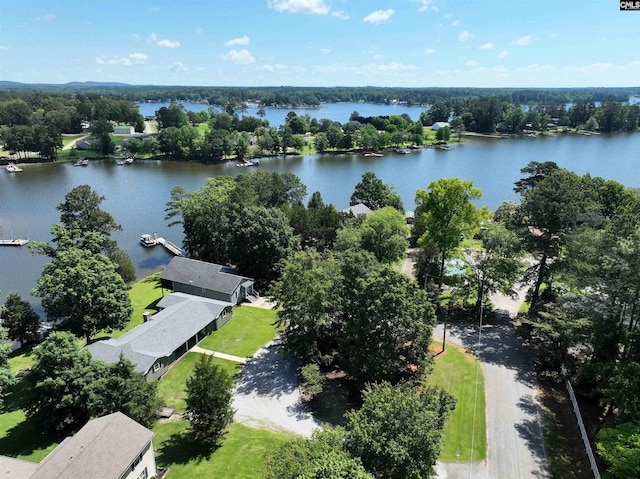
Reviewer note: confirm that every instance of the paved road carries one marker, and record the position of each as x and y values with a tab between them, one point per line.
514	435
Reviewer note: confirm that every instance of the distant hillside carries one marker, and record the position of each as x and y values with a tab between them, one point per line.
15	84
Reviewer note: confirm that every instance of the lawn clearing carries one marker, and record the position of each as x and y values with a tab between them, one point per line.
241	455
22	358
144	295
171	387
456	371
249	329
21	437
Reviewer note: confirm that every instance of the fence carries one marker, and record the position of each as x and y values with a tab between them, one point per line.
583	432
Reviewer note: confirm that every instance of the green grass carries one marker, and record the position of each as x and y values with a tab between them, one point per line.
21	358
241	455
172	385
68	139
21	437
456	371
249	329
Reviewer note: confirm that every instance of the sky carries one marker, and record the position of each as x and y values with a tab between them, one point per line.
390	43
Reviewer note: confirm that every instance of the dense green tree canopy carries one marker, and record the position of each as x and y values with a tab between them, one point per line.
83	293
445	214
123	389
62	384
374	193
320	457
208	401
19	319
384	233
398	431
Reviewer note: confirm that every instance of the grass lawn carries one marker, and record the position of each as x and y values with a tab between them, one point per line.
249	329
240	456
22	358
172	385
20	437
456	371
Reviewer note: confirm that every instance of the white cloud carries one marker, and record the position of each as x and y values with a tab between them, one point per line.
534	68
198	31
379	16
168	44
238	41
455	23
300	6
377	57
325	50
4	47
49	17
523	41
178	67
430	50
242	57
486	46
425	4
595	67
340	14
464	36
503	54
131	59
153	37
392	66
472	63
635	64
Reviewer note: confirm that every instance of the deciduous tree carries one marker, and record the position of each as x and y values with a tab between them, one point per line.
19	319
62	384
397	433
445	214
82	292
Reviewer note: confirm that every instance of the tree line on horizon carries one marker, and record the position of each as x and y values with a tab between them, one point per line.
32	120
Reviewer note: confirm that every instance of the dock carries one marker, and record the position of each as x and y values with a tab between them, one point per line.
151	240
170	247
13	242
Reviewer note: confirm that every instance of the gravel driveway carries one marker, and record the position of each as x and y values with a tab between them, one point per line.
267	395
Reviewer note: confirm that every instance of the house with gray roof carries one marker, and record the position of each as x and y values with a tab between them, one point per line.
110	447
153	346
208	280
358	210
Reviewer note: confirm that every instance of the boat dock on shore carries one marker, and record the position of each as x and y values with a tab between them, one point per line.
13	242
151	240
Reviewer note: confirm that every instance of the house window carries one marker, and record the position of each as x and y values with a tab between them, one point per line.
144	474
156	366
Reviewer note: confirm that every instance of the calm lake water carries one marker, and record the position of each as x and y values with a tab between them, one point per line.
137	194
335	111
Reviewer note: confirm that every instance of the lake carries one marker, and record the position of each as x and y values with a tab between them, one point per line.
136	194
277	116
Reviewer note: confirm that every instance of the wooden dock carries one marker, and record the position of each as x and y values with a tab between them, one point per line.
170	247
13	242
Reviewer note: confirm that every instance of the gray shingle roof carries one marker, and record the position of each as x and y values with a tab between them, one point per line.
104	447
209	276
358	209
161	335
11	468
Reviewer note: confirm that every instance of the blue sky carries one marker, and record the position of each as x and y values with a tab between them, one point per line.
403	43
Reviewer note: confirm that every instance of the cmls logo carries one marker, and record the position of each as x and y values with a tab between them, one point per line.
630	5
